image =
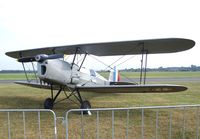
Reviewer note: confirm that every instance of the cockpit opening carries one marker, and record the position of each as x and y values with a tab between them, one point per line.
43	69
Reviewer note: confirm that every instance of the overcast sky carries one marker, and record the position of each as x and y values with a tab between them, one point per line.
26	24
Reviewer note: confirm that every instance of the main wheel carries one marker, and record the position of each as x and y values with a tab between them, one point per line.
48	103
86	105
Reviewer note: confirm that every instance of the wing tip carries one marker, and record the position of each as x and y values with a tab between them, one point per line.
182	44
182	88
192	42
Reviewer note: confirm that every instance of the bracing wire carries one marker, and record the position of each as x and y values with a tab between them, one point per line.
126	60
111	67
114	62
100	61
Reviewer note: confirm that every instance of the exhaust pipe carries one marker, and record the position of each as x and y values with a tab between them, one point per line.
40	58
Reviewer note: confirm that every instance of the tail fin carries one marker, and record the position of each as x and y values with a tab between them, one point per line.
114	75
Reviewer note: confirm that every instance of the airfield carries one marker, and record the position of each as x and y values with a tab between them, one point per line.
15	96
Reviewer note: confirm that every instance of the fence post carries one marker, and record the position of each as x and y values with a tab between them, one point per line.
197	122
170	125
113	124
142	126
24	123
156	124
9	125
127	124
97	126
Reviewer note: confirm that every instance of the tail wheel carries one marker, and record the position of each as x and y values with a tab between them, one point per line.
48	103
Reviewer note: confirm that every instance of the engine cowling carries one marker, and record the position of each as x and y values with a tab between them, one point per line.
41	58
55	71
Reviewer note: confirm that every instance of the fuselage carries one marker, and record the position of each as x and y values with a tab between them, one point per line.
60	72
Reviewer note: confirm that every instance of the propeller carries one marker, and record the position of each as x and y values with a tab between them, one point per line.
40	58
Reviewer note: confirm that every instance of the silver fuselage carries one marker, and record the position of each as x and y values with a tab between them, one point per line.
61	72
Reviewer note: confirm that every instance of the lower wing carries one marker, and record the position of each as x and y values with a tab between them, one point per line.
131	88
152	88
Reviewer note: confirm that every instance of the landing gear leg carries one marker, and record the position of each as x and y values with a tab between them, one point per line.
84	104
49	102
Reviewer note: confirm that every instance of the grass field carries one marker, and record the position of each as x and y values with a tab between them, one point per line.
14	76
16	96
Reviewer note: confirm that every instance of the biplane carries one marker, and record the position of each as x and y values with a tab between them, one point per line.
54	73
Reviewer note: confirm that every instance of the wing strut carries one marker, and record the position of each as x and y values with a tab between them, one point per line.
75	55
25	72
77	49
34	72
82	61
143	69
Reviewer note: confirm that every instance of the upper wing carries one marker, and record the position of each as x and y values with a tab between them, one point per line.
153	46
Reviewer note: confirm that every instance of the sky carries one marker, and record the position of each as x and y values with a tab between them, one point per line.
27	24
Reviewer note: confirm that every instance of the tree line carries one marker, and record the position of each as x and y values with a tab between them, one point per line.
160	69
166	69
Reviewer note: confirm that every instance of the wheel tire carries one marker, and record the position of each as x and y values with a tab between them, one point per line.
85	105
48	103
